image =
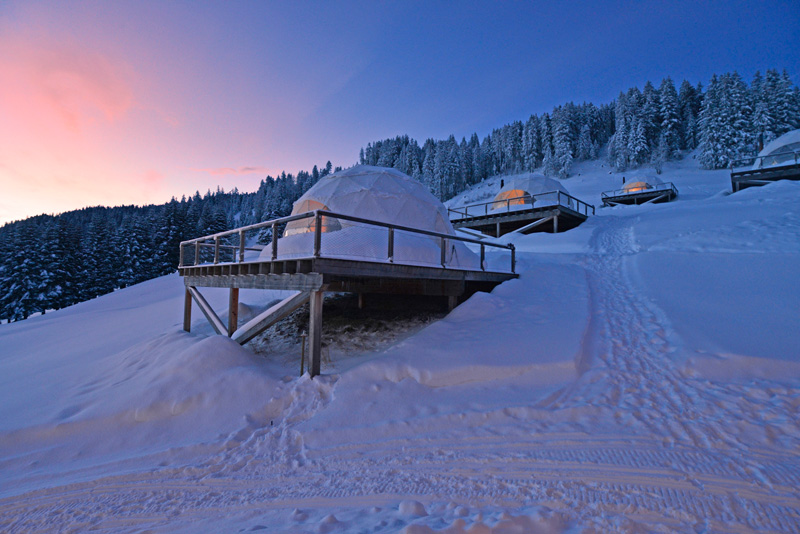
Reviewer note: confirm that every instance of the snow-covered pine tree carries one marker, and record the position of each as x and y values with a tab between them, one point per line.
562	142
650	116
585	146
638	149
711	140
669	139
687	102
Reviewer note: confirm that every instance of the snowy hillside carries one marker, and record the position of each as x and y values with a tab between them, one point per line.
642	374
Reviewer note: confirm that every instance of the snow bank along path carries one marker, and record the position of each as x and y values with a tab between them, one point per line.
642	375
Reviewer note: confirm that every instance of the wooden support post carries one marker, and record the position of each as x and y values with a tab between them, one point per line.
197	253
317	234
241	246
390	252
513	258
274	241
497	230
207	310
452	302
187	311
315	333
180	259
233	311
443	246
555	224
216	249
483	257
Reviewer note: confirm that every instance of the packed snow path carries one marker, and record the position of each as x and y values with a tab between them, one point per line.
625	432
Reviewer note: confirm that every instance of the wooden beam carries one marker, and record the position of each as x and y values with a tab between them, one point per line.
315	334
208	311
269	317
187	311
233	311
291	282
452	302
533	225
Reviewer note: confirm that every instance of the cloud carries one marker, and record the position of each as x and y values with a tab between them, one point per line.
239	171
62	84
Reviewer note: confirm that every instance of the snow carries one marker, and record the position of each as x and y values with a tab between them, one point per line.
376	194
642	375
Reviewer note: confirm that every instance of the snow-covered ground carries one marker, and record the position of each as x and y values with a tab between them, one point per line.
642	375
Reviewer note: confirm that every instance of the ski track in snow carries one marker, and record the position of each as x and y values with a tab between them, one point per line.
678	452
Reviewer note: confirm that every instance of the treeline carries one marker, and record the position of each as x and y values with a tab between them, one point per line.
643	127
50	262
551	141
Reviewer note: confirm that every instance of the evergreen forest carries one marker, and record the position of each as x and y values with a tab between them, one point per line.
48	262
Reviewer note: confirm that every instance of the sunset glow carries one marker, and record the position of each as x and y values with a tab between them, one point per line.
129	103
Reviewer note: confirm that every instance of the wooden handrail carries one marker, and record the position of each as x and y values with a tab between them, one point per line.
526	199
318	231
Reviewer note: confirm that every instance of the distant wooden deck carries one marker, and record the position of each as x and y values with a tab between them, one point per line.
659	193
750	172
314	274
552	212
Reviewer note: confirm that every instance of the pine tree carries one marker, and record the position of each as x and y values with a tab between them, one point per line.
669	140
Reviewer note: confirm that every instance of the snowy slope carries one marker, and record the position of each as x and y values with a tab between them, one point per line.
643	374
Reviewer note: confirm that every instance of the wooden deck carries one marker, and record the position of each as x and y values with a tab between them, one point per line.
743	178
557	212
661	193
315	274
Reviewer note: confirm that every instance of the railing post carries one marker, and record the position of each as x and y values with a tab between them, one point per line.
483	257
443	245
274	241
513	258
216	249
241	246
180	258
197	253
508	204
317	234
391	245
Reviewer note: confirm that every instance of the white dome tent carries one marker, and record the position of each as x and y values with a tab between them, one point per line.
785	150
522	190
641	183
376	194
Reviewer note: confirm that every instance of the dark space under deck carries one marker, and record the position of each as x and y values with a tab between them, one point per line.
756	177
553	220
314	276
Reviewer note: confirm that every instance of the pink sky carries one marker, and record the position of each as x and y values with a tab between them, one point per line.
102	106
131	102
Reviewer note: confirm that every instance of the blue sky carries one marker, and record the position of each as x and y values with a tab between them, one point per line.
133	102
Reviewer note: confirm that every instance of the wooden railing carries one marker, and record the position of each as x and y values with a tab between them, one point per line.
501	206
668	186
757	164
239	235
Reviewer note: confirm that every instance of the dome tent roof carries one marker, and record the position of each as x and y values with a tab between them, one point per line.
641	183
788	141
533	184
377	194
526	185
380	194
780	151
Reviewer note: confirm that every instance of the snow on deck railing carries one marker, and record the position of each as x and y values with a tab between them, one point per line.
525	202
232	243
781	158
652	189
